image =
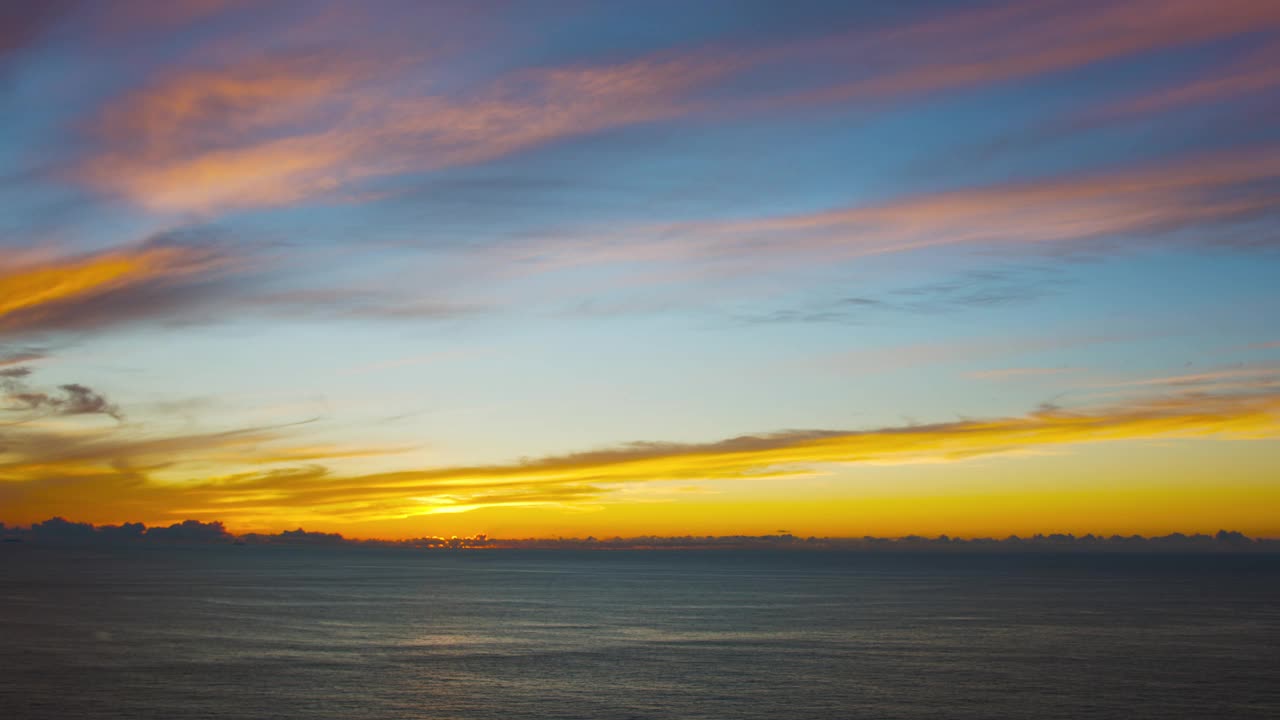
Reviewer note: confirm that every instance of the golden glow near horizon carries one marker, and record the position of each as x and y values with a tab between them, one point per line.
332	269
282	495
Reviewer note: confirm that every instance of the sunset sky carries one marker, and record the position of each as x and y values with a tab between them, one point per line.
396	269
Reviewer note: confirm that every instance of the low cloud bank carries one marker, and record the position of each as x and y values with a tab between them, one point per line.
58	531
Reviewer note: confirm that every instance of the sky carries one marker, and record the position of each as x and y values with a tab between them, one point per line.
543	269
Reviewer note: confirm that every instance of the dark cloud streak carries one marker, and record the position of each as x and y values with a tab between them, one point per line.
69	399
973	290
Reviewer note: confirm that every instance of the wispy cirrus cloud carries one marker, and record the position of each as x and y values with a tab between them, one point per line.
1230	101
1021	39
278	127
358	304
1186	193
1190	193
1248	77
1238	378
1269	375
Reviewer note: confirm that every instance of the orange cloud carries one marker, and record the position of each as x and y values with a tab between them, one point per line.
81	291
275	130
191	109
280	128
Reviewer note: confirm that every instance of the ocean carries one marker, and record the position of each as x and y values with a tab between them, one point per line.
296	632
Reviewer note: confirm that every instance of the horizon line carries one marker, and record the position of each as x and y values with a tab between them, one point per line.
60	531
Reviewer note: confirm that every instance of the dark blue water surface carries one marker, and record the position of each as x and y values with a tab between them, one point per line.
275	632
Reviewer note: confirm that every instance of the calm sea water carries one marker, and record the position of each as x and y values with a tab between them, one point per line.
273	632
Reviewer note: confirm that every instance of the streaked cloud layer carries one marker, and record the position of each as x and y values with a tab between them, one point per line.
274	130
390	268
278	125
1197	192
89	466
